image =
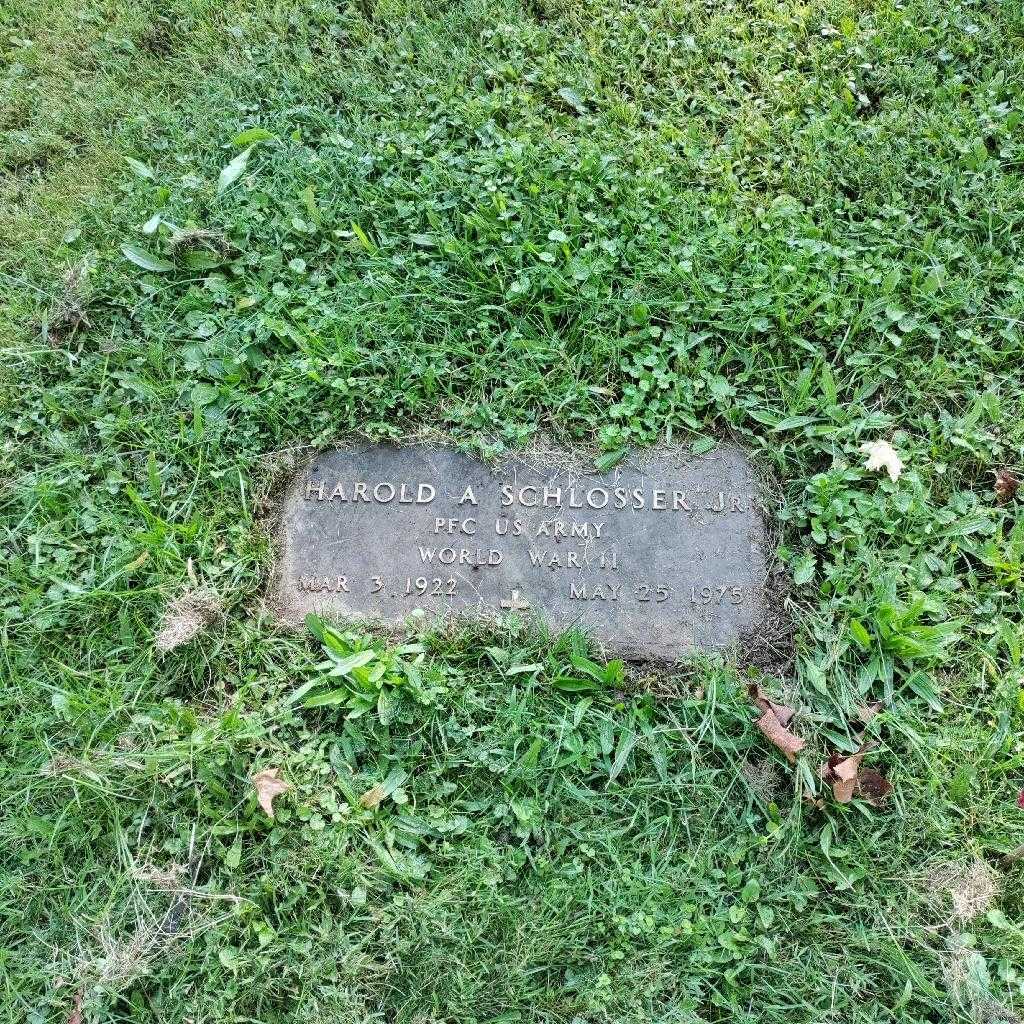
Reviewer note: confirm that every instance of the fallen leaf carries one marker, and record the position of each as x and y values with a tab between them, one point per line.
882	456
1006	486
781	711
873	786
75	1017
840	771
779	735
372	797
1020	799
269	785
773	721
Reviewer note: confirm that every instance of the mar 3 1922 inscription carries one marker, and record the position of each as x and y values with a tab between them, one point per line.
661	555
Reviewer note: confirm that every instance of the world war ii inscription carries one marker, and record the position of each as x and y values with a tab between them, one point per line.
662	554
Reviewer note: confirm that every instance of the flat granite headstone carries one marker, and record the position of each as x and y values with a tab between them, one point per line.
661	555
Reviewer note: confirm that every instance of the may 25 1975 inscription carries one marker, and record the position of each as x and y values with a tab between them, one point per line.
661	555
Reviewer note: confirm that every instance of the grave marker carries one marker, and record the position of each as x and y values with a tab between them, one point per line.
663	554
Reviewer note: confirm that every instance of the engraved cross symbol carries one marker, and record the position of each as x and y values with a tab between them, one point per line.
514	604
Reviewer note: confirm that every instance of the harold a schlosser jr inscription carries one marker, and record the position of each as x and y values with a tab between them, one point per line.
661	555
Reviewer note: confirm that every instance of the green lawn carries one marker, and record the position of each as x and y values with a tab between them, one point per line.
233	231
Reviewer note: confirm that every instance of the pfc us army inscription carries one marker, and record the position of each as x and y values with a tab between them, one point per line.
661	555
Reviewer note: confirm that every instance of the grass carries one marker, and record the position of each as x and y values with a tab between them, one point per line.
797	226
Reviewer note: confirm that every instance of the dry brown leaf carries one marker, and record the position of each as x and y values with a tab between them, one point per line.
269	785
372	797
781	711
841	772
1006	486
778	734
773	721
873	786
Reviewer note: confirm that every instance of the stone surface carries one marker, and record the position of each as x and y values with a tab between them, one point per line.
663	554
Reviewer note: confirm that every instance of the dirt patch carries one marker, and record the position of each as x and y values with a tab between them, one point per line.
170	876
185	618
764	778
67	314
966	890
191	240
